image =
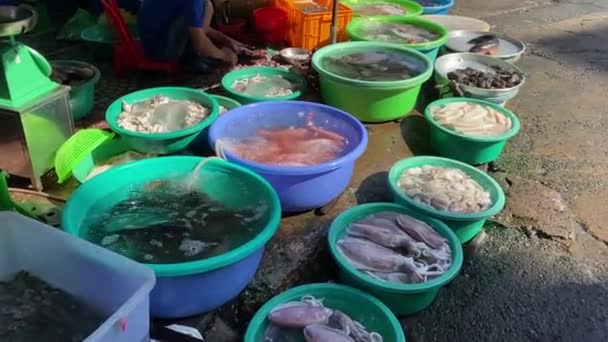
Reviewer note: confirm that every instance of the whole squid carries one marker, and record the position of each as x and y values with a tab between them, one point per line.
369	256
323	333
341	321
300	314
420	231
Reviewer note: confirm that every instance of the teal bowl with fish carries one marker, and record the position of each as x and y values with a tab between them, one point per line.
466	225
257	84
374	81
419	34
165	142
201	228
401	297
359	306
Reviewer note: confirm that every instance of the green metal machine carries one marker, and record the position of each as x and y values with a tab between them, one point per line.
35	114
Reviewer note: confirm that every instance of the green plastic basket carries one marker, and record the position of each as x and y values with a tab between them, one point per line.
77	148
465	225
240	74
359	305
403	299
469	149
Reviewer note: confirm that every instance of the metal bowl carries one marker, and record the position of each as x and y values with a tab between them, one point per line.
447	63
16	20
509	49
295	55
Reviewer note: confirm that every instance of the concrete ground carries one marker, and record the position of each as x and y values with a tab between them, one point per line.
542	273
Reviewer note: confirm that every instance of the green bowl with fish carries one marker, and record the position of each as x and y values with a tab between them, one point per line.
411	8
360	306
402	299
169	142
374	81
470	149
465	225
226	103
435	35
295	81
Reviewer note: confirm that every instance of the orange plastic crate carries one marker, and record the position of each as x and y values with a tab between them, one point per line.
312	30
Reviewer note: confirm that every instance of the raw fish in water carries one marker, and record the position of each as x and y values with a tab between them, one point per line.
444	189
294	147
376	253
379	8
471	119
487	44
299	314
273	86
383	65
396	33
161	114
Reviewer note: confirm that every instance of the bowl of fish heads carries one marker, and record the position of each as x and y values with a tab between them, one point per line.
195	230
265	138
465	225
472	75
403	297
162	142
486	43
471	148
330	312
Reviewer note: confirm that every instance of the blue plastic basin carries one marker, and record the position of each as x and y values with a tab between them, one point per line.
299	188
443	9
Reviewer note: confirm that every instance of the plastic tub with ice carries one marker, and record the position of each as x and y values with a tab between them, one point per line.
305	150
201	227
398	290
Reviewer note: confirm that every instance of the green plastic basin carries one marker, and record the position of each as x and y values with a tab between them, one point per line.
99	39
162	143
474	150
360	306
403	299
82	96
430	49
226	102
240	74
413	8
465	225
367	100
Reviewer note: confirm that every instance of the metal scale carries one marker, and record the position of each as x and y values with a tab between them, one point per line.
35	113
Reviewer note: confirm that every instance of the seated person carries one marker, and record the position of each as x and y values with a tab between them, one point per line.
180	30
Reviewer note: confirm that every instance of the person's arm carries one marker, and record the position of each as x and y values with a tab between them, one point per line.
199	17
221	39
203	45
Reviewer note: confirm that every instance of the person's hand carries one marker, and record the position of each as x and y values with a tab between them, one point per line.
229	56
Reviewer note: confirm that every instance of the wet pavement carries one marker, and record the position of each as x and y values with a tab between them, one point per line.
542	273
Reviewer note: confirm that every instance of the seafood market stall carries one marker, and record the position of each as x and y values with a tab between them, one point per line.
293	166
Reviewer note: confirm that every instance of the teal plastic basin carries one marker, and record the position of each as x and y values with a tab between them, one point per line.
430	49
162	143
188	288
99	39
465	225
474	150
402	299
370	101
226	102
240	74
82	96
360	306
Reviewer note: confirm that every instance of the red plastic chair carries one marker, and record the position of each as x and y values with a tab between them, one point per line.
128	53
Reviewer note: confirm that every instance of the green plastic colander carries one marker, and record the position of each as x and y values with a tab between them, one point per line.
76	148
